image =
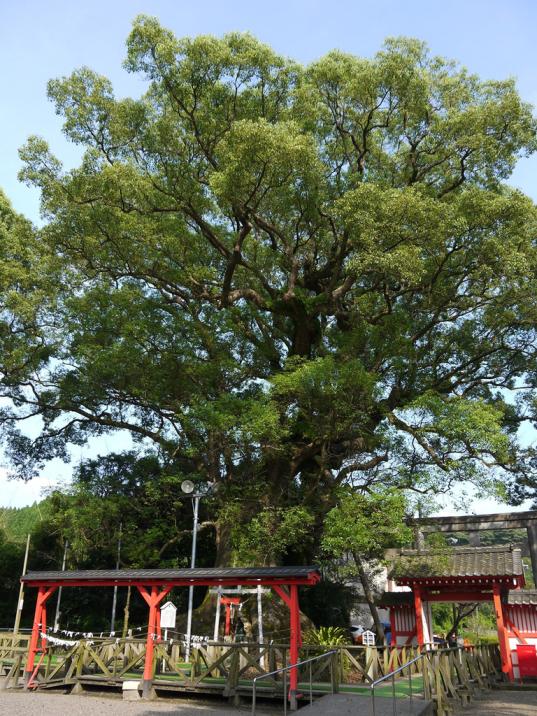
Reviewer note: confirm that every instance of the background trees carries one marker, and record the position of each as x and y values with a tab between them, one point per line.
357	532
282	279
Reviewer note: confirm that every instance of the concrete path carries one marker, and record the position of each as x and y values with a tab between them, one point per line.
502	703
21	703
356	705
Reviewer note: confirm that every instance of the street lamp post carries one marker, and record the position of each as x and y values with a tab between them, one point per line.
187	486
114	599
57	615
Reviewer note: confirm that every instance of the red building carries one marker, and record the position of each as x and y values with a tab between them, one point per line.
466	574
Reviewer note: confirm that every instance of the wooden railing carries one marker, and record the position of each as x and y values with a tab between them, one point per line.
229	668
459	675
13	650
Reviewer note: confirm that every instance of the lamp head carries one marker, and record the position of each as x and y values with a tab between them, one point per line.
187	486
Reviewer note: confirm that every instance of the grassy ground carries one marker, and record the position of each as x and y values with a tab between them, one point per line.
402	685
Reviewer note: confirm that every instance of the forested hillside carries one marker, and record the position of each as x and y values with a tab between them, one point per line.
17	522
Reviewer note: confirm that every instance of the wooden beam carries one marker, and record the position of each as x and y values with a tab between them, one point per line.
475	523
509	624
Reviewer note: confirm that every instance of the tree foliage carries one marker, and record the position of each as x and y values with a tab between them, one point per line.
286	278
366	524
122	497
357	532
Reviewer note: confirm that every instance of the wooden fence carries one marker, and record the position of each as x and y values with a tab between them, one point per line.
229	668
458	675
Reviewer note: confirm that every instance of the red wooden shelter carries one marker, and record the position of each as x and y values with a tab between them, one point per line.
467	574
155	584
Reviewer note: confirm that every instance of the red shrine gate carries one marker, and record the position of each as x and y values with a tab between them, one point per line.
154	585
468	574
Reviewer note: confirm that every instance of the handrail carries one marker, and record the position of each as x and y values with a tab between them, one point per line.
283	670
391	676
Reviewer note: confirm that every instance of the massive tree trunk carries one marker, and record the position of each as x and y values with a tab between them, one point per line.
223	543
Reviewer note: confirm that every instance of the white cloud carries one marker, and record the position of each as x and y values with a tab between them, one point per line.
16	493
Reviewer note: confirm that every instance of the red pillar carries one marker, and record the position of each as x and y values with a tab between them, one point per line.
295	640
153	632
291	599
505	650
393	641
44	627
39	625
150	643
418	607
227	629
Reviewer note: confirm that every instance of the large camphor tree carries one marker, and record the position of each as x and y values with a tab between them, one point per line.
284	278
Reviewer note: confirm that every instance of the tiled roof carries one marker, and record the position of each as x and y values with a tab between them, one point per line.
504	561
196	575
523	596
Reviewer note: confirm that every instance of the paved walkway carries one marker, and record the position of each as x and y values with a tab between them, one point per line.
502	703
21	703
356	705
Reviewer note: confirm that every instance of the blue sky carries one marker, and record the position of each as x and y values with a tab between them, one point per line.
40	40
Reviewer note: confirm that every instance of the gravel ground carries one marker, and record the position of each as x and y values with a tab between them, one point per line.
21	703
502	703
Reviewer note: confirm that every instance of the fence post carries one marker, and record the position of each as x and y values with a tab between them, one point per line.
233	676
335	672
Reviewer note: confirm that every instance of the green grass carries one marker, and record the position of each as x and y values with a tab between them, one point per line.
402	687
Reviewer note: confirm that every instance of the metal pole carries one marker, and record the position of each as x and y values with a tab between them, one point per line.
114	599
166	647
20	603
57	615
191	588
260	622
217	615
285	693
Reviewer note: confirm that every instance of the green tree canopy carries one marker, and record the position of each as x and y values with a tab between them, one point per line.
137	499
287	277
357	532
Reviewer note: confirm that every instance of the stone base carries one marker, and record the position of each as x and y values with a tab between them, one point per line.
131	691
